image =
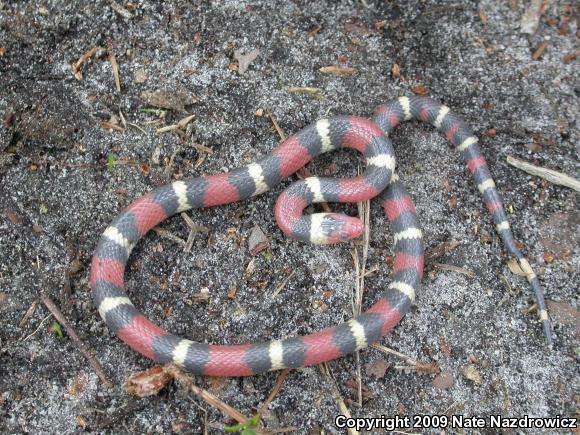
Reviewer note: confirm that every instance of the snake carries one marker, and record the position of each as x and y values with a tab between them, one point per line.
367	136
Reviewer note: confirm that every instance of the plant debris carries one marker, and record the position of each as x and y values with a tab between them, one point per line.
257	241
245	60
177	100
338	70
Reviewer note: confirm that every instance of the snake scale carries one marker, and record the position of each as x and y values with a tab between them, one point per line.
379	179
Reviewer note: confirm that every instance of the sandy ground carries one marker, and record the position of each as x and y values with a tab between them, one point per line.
57	195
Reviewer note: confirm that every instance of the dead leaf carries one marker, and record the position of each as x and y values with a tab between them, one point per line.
140	76
176	100
444	346
216	384
7	121
81	421
470	372
377	368
482	16
396	71
4	298
257	241
149	382
443	380
420	90
359	28
570	57
13	217
565	314
561	233
244	60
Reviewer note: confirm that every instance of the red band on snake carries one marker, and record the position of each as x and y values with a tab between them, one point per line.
367	137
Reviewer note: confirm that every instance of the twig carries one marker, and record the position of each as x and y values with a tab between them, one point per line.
76	67
360	269
169	235
37	329
547	174
193	230
282	430
315	92
115	67
29	312
385	349
75	339
121	10
281	377
452	268
204	416
276	126
204	394
283	284
339	400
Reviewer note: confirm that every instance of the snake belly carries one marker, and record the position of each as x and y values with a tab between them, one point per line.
366	136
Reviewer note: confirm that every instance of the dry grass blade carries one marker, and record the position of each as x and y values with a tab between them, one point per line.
283	284
29	312
315	92
277	126
452	268
360	270
325	369
547	174
115	67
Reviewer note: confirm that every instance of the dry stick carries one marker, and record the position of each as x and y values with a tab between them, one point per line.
276	126
453	268
176	372
75	339
364	215
204	416
325	368
281	377
547	174
385	349
37	329
115	67
356	310
169	235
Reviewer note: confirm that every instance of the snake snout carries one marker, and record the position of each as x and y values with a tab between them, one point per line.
341	228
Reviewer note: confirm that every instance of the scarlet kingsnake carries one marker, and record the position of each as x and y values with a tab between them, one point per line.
379	179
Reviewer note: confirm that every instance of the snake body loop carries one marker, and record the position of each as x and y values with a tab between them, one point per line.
379	179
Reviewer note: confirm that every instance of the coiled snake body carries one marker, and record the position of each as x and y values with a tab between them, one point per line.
379	179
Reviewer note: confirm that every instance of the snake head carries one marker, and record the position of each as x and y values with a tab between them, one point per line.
337	228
